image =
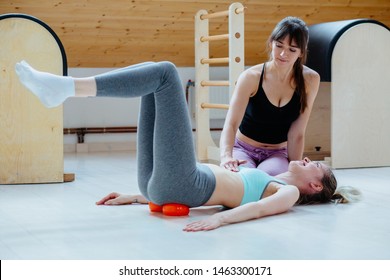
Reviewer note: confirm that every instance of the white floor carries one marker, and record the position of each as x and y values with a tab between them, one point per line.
61	221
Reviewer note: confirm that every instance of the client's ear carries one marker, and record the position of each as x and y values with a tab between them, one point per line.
316	187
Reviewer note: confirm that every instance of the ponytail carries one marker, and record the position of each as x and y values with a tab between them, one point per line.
346	194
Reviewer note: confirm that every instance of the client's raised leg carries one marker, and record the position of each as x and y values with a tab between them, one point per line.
53	90
167	168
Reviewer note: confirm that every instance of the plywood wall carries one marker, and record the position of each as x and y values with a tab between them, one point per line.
115	33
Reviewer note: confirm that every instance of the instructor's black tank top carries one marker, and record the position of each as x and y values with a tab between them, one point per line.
265	122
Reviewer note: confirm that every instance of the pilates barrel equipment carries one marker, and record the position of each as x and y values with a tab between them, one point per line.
205	146
353	55
31	137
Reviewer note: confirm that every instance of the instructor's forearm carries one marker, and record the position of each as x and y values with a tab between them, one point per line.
295	149
226	143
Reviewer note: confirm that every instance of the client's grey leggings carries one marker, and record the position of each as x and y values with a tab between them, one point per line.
167	167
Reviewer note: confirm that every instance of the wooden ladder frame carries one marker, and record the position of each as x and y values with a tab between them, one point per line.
206	148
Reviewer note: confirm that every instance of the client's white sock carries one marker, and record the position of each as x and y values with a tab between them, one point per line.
52	90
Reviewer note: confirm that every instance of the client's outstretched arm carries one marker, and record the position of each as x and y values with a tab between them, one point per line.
121	199
281	201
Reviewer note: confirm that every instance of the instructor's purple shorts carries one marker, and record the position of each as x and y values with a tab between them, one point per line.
271	161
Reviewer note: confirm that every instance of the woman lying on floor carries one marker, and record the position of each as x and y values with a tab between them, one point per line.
167	168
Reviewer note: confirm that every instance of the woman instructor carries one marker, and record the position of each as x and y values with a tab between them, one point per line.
270	108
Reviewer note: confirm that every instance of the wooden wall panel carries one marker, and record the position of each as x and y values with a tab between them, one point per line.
116	33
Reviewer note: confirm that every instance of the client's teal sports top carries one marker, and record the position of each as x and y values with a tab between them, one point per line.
255	182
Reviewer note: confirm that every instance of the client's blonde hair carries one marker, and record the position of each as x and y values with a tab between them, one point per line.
331	193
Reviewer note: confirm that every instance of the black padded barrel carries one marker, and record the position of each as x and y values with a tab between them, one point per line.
322	40
36	20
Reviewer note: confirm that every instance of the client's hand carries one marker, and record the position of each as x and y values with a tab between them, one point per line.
121	199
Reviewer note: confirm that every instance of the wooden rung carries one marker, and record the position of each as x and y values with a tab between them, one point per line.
214	83
222	14
215	15
240	10
214	106
214	37
214	60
